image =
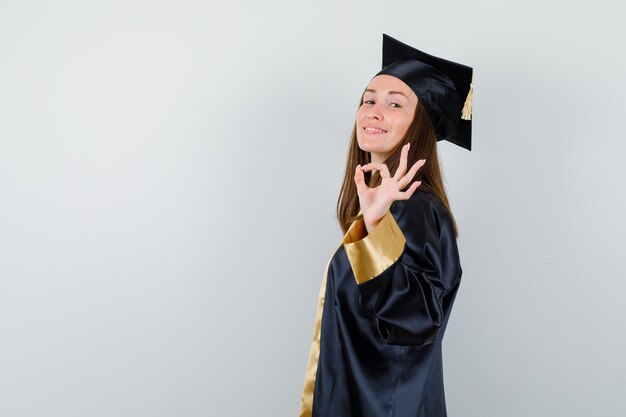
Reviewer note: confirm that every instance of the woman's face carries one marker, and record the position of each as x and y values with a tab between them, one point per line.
385	115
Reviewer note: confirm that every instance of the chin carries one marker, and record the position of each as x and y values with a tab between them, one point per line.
369	147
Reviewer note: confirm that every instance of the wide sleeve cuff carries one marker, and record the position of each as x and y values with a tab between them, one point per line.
370	254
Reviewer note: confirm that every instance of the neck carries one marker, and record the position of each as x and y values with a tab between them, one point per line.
376	157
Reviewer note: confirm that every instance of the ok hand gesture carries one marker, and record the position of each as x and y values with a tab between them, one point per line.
375	202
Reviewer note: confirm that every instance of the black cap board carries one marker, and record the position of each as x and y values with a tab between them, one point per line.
443	87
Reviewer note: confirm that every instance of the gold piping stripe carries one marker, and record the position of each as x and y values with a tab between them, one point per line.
370	254
306	402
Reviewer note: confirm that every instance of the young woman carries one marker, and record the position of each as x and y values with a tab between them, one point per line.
389	288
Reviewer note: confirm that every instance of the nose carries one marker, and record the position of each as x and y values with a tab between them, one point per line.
374	112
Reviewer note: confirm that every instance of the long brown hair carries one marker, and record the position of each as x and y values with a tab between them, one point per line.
421	134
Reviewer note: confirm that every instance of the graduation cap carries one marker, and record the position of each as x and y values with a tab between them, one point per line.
443	87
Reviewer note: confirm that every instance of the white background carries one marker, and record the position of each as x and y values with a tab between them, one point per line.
168	179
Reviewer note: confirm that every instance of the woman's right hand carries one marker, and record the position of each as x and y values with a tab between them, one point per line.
375	202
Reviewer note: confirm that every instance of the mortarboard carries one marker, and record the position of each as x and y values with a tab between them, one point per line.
443	87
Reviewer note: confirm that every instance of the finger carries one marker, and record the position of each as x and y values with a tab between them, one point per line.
382	168
405	195
359	179
409	175
403	161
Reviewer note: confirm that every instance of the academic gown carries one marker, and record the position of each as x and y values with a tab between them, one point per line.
382	311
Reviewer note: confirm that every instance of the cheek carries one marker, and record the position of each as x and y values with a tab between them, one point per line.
360	113
404	124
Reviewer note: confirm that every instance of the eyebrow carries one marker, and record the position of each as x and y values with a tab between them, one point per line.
391	92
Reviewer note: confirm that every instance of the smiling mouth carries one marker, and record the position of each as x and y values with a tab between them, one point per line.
373	130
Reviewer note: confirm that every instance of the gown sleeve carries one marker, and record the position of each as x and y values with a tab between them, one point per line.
407	270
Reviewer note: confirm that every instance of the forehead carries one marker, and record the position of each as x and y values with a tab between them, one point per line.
384	83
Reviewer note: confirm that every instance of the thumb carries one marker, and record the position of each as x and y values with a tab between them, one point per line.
359	179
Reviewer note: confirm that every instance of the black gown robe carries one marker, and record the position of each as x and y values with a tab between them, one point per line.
382	311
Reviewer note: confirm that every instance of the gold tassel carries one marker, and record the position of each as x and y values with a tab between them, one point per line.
466	113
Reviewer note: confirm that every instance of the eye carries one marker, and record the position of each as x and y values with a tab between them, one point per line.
394	104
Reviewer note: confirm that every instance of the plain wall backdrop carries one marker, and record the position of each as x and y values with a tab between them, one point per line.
168	179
